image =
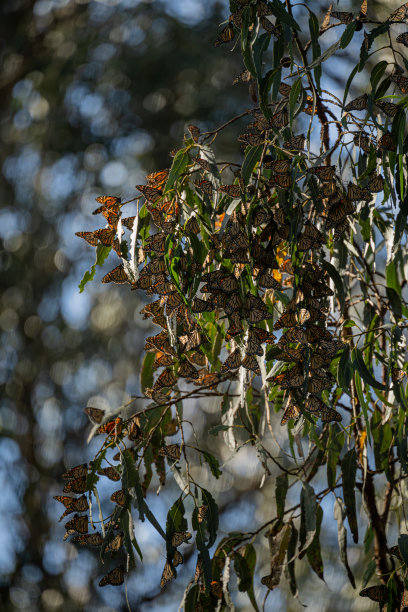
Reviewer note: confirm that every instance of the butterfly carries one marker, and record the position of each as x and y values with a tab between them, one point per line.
311	238
403	39
358	104
115	577
72	504
117	275
198	358
110	472
232	304
155	243
338	212
284	181
217	588
295	143
150	193
199	306
198	570
79	471
269	581
186	370
375	183
266	280
180	537
201	513
291	354
387	141
172	451
77	485
251	139
167	575
166	379
388	108
158	179
293	335
225	36
289	379
193	226
234	191
95	414
315	333
329	415
291	412
190	341
324	173
288	319
362	140
119	497
116	543
78	523
89	539
285	89
400	14
202	162
375	593
205	186
112	428
316	385
89	237
282	166
397	375
250	362
194	132
155	266
242	77
401	82
269	27
354	192
279	119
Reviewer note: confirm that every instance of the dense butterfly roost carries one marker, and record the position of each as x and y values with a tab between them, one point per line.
226	247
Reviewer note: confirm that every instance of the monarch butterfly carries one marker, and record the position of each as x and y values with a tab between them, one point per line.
328	189
319	360
282	166
78	485
198	570
208	380
296	143
233	303
79	504
315	333
217	588
280	119
202	162
345	18
354	192
198	358
403	39
400	14
157	179
269	27
375	593
112	428
267	280
95	414
166	379
324	173
316	385
108	201
156	343
397	375
291	412
262	335
180	537
129	222
293	335
232	362
115	577
186	370
78	523
329	415
386	141
363	141
388	108
106	236
375	183
193	226
338	212
284	181
79	471
358	104
110	472
115	543
225	36
150	193
269	581
172	451
256	314
340	228
264	257
228	284
401	82
291	354
233	330
89	237
251	139
153	309
89	539
201	513
242	77
167	575
134	432
205	186
155	266
199	306
119	497
194	132
155	243
163	288
190	341
404	599
240	241
250	362
117	275
311	238
288	319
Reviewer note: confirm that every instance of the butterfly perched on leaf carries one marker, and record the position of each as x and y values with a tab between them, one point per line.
225	36
375	183
180	537
375	593
358	104
115	577
403	39
167	575
171	451
388	108
292	412
387	141
119	497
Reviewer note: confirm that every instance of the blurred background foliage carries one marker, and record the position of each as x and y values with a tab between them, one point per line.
94	95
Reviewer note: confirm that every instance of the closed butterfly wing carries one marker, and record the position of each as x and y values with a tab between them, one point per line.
280	119
167	575
234	191
205	186
363	141
78	523
232	362
66	500
343	17
88	539
180	537
89	237
375	593
250	362
316	385
387	141
284	181
95	414
172	451
112	428
119	497
288	319
397	375
388	108
155	243
403	39
324	173
79	471
157	179
329	415
251	139
354	192
225	36
115	577
314	333
166	379
110	472
117	275
292	412
398	16
194	132
358	104
150	193
281	166
78	485
296	143
376	183
243	77
186	370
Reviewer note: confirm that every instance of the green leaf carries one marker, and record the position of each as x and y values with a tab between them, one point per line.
282	16
211	518
101	254
291	565
259	47
316	50
146	372
212	463
252	157
313	552
403	546
281	489
339	515
180	162
127	539
338	283
293	98
244	565
348	34
377	73
395	302
334	448
307	517
345	370
349	470
176	521
214	431
325	55
360	366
